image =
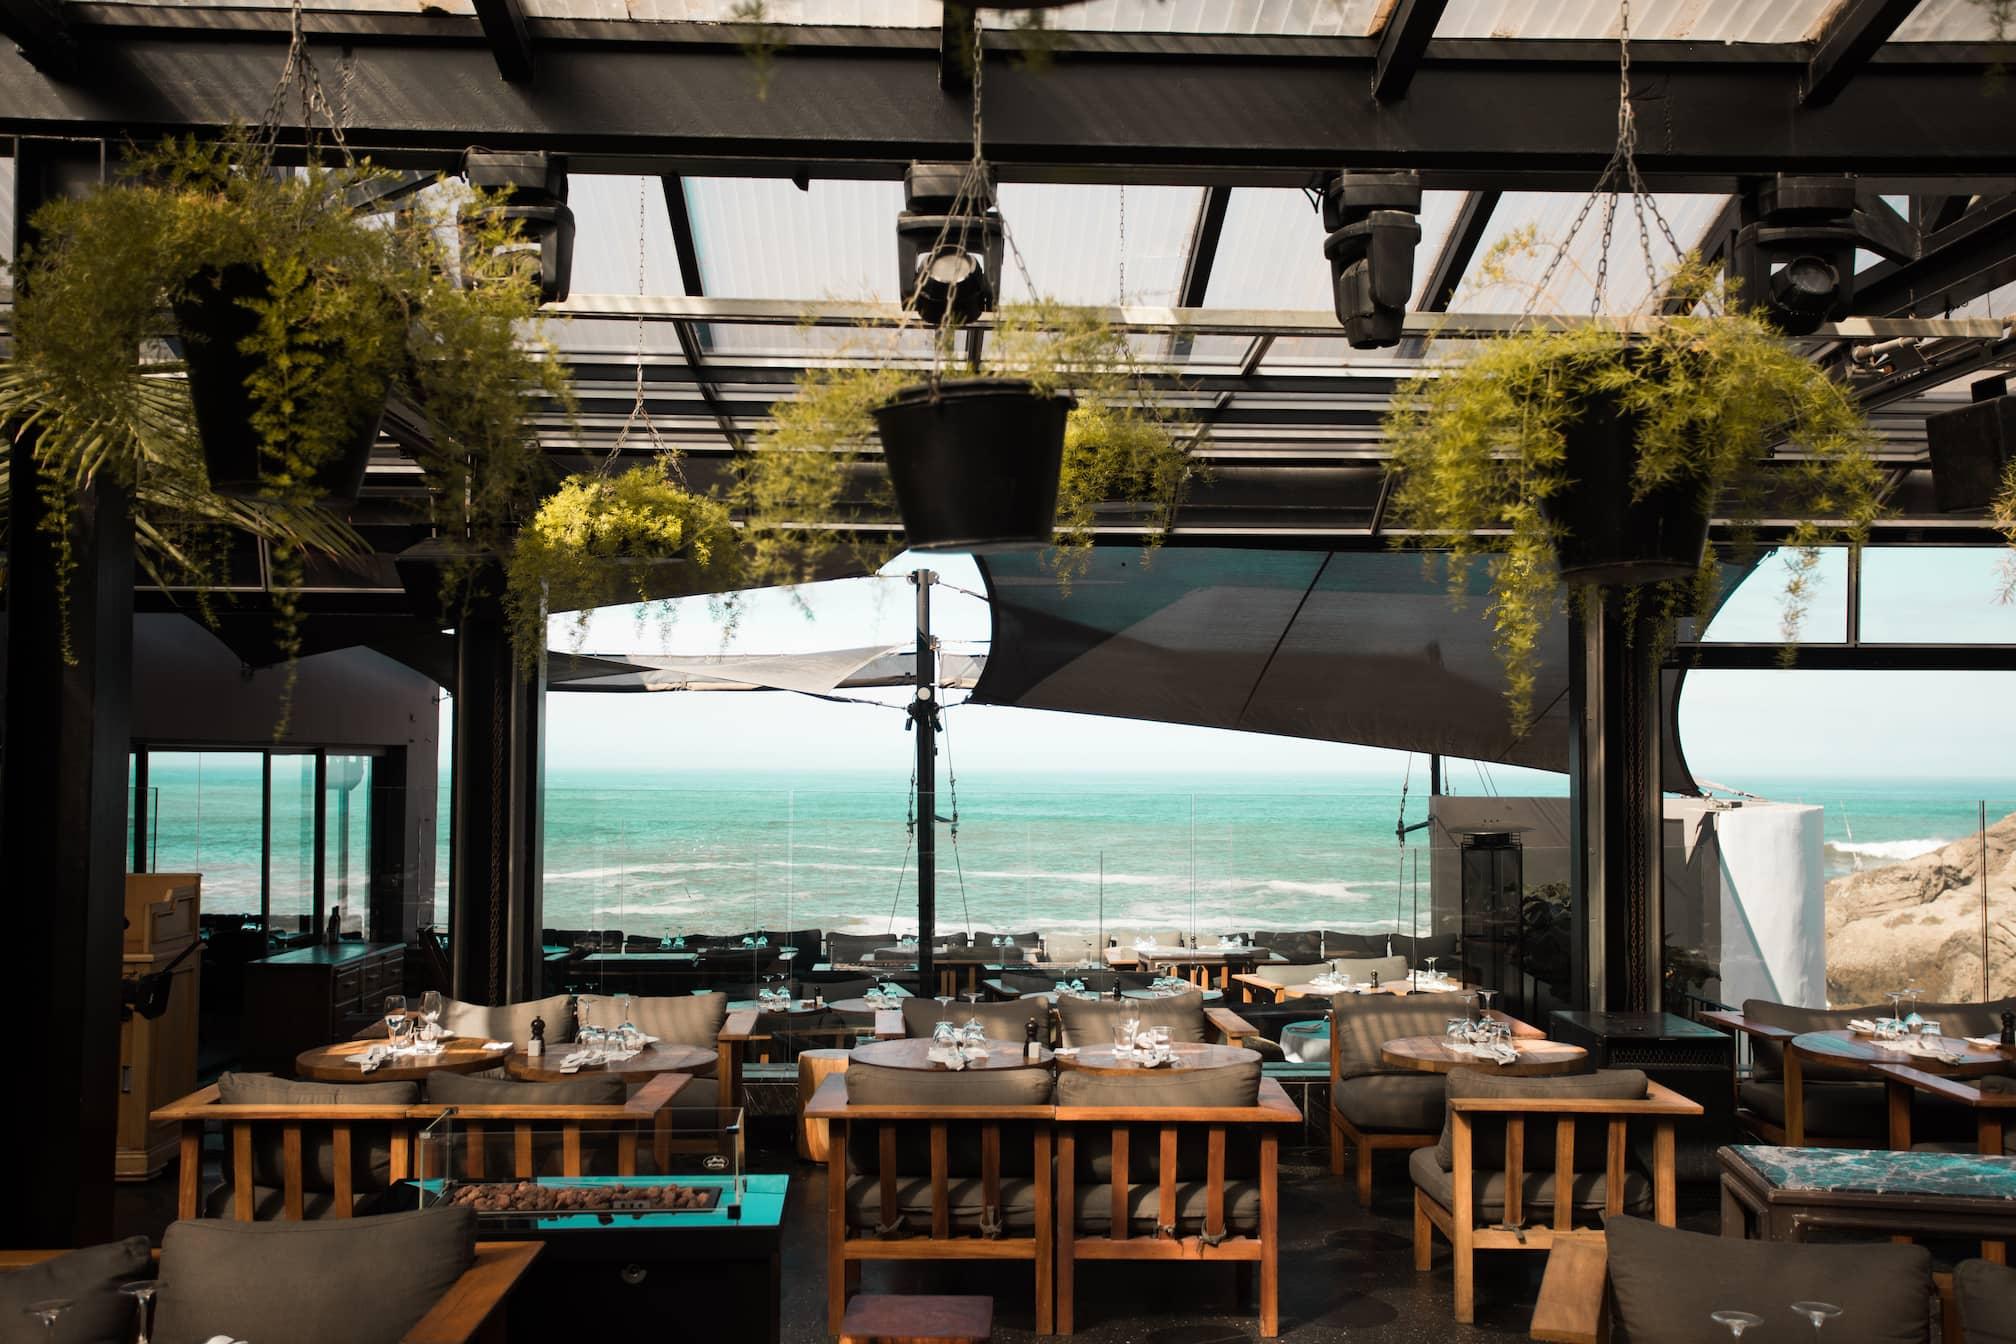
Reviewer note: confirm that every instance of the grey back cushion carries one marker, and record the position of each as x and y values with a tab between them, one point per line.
1090	1021
1234	1085
1664	1283
1231	1085
679	1019
510	1021
1487	1132
89	1279
856	947
494	1087
339	1281
1003	1021
1294	944
879	1085
370	1145
1986	1295
1361	1023
1336	944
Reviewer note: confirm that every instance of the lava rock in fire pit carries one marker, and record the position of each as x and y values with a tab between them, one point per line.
532	1197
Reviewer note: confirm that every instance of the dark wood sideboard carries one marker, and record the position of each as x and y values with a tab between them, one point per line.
314	995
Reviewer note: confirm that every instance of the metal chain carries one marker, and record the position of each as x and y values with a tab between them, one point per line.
640	413
300	68
1123	244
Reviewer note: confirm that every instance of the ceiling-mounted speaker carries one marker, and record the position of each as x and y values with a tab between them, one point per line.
1972	448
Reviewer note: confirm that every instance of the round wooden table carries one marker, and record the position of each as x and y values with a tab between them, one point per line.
914	1053
863	1008
338	1063
1156	996
1187	1055
1845	1048
798	1008
663	1057
1430	1054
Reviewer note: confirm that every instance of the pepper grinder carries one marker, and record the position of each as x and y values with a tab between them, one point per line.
536	1047
2009	1028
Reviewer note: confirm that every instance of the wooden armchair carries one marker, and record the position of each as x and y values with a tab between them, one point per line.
1209	1192
1475	1188
936	1166
470	1312
1992	1102
312	1136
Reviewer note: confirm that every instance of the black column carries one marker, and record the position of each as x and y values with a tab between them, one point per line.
496	910
394	915
924	722
63	842
1616	812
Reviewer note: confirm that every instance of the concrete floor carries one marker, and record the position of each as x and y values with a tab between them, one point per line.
1343	1269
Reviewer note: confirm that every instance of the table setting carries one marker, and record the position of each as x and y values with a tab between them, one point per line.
955	1048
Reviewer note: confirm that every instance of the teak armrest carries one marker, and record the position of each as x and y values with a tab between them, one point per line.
1574	1293
740	1026
657	1094
1658	1100
475	1298
1961	1090
1229	1024
1735	1021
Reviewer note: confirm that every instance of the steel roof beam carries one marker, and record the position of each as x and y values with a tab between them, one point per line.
40	35
1401	45
1955	264
1202	109
1858	31
504	27
955	49
1466	235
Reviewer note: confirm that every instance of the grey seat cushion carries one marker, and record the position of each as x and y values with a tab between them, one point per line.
965	1201
88	1278
1590	1190
678	1019
340	1281
511	1021
1665	1282
1986	1294
1361	1023
1084	1022
370	1145
1833	1110
1393	1103
1002	1021
1487	1132
1094	1205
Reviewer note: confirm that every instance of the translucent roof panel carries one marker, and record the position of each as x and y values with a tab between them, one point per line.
1549	216
763	238
1069	236
1326	18
615	220
1270	254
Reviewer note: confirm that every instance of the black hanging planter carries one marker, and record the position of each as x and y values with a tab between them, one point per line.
214	323
1606	536
974	462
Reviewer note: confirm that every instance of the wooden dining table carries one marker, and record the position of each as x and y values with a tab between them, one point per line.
1841	1049
652	1060
1431	1054
1184	1057
915	1053
338	1063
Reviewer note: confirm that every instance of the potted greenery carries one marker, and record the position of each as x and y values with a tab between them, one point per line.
1586	455
1056	427
599	540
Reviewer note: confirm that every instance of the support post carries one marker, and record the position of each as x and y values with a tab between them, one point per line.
1616	813
924	722
63	845
496	906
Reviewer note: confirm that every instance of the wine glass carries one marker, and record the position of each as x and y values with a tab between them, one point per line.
395	1013
623	1012
142	1292
47	1311
1896	997
1486	995
1817	1312
1736	1322
430	1012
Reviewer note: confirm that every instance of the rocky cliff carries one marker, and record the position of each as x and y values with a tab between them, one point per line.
1919	923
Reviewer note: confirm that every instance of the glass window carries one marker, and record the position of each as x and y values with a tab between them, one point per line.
203	817
292	801
1755	612
1937	595
346	841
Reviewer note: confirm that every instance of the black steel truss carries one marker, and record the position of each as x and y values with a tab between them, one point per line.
503	24
674	97
1401	45
1857	31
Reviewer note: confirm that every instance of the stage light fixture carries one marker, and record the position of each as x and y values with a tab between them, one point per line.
535	187
1796	259
1373	226
948	243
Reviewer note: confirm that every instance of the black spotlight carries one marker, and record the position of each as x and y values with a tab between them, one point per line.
1373	226
536	187
948	243
1797	260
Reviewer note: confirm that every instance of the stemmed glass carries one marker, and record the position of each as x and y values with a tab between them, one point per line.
1817	1312
1896	997
396	1022
1736	1322
625	1027
142	1292
1487	995
46	1311
430	1013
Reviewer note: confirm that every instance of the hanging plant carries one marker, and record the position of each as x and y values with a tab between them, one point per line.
812	501
601	540
1494	458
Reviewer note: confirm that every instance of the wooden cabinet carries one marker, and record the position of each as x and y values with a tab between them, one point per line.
157	1056
314	995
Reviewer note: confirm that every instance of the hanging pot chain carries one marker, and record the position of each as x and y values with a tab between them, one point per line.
299	70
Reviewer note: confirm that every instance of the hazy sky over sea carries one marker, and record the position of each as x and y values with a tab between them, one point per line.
1735	724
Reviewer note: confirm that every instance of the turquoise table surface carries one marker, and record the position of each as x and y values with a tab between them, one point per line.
1878	1172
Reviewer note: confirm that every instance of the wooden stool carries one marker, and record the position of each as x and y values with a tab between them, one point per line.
882	1318
814	1067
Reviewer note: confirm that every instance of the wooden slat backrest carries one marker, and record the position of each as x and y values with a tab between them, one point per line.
1214	1181
339	1157
990	1163
1564	1161
1165	1192
941	1182
1122	1192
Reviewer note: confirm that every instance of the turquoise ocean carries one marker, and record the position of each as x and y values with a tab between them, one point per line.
721	851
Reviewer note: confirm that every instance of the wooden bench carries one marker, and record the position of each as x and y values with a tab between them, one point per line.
631	1121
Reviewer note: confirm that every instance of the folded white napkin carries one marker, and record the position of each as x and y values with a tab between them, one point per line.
373	1057
1862	1024
951	1059
1065	1051
222	1339
1985	1042
496	1045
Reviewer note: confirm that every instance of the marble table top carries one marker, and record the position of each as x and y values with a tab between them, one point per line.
1878	1172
